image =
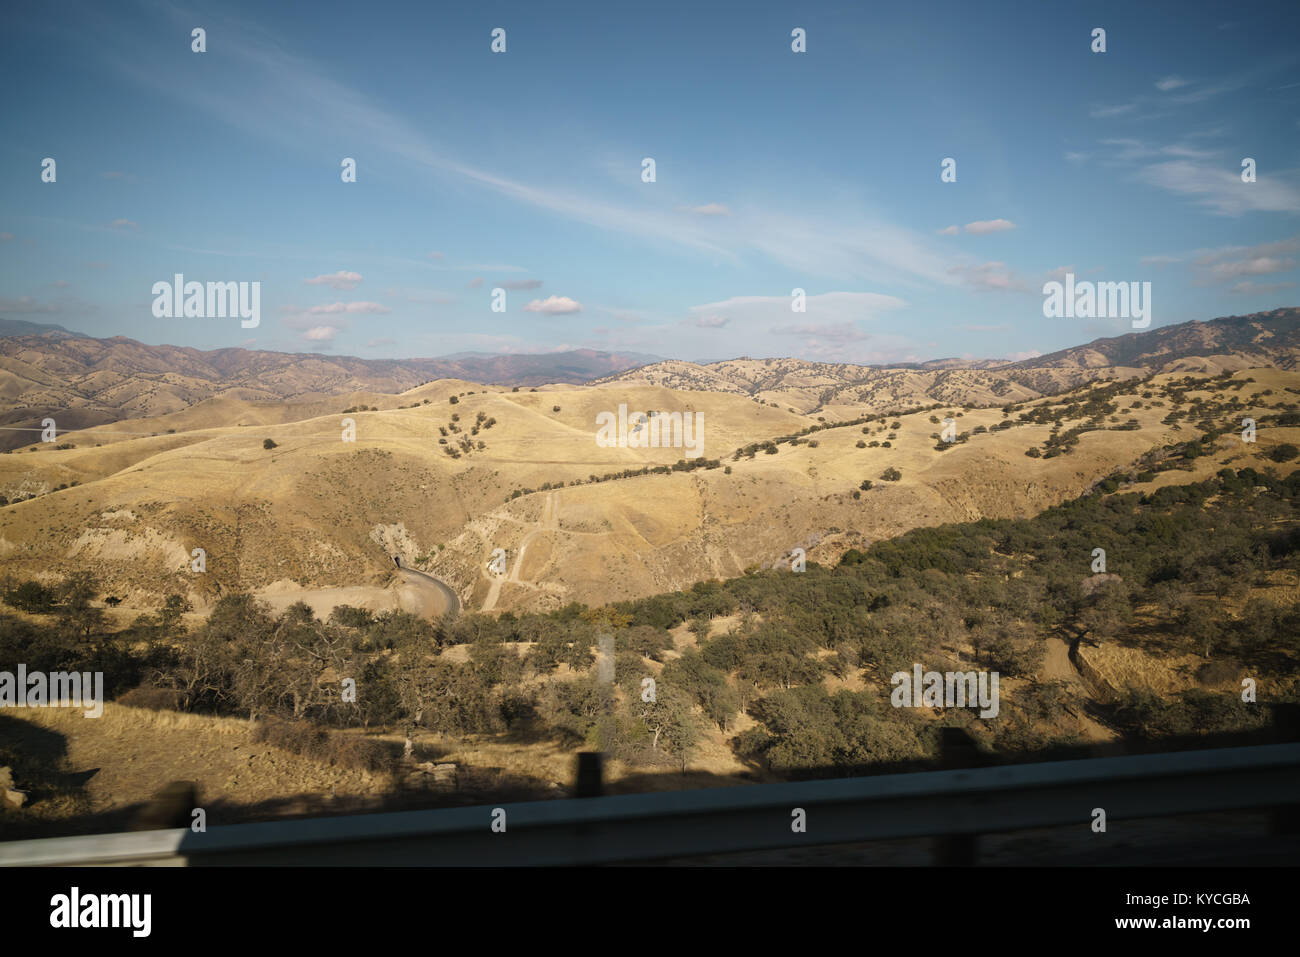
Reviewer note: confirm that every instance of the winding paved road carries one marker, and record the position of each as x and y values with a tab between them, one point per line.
432	597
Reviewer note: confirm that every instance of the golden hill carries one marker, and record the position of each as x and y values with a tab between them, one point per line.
316	512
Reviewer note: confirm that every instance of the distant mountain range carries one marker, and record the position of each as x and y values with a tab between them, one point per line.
842	389
47	370
21	327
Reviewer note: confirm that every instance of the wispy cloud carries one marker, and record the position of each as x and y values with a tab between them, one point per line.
835	333
339	280
1234	262
708	209
297	99
986	226
26	306
1222	190
340	308
1260	288
1258	266
990	276
1105	112
828	308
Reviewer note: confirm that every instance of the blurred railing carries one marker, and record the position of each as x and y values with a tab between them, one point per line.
954	805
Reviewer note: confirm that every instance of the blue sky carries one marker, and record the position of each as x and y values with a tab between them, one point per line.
522	170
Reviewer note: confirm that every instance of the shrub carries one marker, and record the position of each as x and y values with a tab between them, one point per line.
31	597
152	699
320	744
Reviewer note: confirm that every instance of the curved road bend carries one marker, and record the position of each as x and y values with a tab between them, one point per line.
433	598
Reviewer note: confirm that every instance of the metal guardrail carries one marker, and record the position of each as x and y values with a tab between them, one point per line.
641	827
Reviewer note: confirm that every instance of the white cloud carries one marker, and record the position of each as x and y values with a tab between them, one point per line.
340	280
837	333
320	333
297	99
1105	112
986	226
991	276
309	319
1261	288
708	209
825	308
348	308
554	306
1256	266
1222	190
1233	262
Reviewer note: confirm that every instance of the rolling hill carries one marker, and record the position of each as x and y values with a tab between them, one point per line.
442	474
82	381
